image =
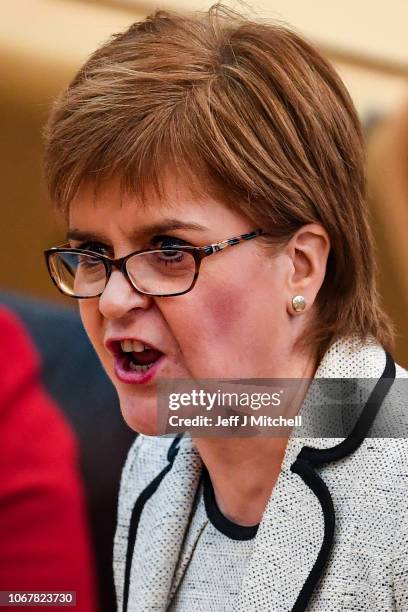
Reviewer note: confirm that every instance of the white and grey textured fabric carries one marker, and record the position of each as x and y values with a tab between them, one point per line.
212	576
367	568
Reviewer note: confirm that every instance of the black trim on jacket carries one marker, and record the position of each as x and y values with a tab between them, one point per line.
137	512
309	458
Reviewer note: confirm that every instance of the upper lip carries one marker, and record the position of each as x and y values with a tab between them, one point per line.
112	344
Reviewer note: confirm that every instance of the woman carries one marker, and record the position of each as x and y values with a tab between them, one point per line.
176	139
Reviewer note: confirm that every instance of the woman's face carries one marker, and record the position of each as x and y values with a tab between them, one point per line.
234	323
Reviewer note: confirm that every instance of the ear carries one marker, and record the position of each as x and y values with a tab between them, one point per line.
308	250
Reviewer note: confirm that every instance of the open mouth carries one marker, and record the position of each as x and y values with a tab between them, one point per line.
136	356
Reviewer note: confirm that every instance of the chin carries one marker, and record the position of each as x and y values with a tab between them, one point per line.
141	415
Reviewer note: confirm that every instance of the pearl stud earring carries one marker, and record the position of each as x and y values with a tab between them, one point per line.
298	303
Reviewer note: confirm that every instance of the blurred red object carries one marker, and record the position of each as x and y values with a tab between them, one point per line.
44	542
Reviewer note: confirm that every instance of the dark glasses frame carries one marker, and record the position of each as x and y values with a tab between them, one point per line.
199	253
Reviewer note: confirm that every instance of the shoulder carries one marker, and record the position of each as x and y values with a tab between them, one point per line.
378	468
391	423
384	452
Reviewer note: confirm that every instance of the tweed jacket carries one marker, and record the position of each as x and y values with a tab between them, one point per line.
333	536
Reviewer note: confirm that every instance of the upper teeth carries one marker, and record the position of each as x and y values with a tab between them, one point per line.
131	346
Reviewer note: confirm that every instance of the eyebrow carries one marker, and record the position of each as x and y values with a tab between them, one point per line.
148	230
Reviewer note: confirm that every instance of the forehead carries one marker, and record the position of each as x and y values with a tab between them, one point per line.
110	210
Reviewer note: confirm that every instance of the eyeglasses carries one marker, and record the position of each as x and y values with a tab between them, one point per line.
168	271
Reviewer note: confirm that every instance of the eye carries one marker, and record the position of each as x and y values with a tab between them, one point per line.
164	242
95	247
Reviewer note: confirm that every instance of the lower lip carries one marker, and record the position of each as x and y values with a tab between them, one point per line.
131	377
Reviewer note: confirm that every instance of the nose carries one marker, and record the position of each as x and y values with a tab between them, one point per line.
120	297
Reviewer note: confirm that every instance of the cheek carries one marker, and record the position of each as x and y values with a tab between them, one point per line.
230	328
224	311
210	326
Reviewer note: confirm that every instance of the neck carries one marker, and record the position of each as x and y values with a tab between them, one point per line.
244	471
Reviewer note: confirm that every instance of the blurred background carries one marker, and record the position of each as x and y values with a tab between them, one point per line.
42	44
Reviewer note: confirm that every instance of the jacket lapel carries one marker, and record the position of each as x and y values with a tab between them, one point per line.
286	545
292	527
163	523
187	551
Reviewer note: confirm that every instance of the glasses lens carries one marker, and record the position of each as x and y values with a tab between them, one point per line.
78	275
164	272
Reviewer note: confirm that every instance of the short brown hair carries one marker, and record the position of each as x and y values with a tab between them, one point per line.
252	107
